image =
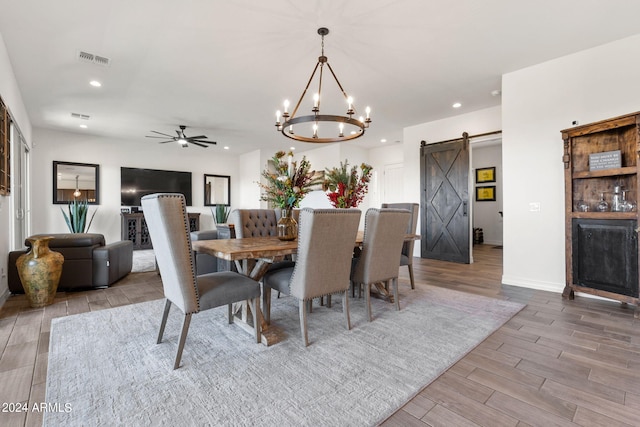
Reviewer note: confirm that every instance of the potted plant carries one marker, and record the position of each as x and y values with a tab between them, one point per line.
220	213
77	218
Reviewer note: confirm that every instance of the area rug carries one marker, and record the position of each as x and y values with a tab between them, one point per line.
106	370
143	260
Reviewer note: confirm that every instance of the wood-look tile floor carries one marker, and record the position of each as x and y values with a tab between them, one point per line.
557	362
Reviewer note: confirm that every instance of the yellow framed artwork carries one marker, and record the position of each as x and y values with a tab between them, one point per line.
486	175
486	193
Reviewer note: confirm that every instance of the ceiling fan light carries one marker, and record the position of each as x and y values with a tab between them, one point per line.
181	138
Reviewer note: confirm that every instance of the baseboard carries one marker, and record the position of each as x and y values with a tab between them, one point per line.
533	284
546	286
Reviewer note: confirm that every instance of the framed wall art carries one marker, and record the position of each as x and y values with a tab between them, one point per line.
485	175
486	193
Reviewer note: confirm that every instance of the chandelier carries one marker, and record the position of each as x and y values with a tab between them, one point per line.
325	127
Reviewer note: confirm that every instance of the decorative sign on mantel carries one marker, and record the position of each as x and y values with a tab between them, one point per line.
605	160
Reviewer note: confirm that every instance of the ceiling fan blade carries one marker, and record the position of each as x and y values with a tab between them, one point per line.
168	136
164	142
160	137
198	144
205	142
197	137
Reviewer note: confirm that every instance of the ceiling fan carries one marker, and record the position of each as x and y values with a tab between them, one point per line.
182	139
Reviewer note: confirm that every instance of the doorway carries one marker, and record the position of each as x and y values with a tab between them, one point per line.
487	215
449	191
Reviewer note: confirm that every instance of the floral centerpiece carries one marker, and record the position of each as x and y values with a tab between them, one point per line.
286	184
345	188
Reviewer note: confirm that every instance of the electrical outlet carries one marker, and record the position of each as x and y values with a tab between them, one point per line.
534	207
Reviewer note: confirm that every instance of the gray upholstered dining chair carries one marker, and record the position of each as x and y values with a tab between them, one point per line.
254	222
406	257
259	223
379	261
326	238
166	217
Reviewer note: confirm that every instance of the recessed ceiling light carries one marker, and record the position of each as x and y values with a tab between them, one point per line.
226	147
292	148
383	140
457	105
84	126
95	83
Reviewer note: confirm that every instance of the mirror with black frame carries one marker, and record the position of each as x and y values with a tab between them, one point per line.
217	190
76	181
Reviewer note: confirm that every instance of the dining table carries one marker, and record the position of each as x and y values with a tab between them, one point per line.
252	257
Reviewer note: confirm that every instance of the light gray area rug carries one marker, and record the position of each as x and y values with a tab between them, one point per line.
143	260
107	367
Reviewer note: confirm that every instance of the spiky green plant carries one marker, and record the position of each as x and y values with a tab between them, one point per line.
220	214
77	217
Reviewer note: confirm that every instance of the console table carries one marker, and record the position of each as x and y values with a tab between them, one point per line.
134	228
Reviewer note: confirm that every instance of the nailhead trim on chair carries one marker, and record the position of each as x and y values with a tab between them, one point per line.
187	229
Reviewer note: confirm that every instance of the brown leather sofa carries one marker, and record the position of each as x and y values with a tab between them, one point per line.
88	261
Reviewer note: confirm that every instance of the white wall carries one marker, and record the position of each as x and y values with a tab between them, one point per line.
477	122
486	214
111	155
538	102
13	100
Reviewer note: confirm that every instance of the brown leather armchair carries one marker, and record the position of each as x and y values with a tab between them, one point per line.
88	261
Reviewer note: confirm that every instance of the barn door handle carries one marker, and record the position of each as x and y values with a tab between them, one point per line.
464	208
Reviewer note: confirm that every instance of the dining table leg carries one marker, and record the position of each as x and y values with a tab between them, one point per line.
242	310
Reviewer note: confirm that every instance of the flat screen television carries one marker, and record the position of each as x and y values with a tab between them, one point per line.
135	183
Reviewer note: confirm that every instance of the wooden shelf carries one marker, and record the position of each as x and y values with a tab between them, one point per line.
629	170
604	215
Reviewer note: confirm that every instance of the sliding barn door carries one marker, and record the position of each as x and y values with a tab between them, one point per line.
445	218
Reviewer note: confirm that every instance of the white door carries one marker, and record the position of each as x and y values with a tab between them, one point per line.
393	187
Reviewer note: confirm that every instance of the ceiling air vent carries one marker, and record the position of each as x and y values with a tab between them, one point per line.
94	59
80	116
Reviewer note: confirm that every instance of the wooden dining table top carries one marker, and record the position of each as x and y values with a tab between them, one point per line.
258	247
